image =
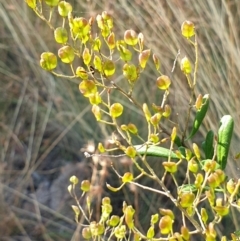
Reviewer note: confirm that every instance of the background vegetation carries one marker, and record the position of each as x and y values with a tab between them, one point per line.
45	122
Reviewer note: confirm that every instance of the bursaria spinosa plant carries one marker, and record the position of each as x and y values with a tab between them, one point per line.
206	195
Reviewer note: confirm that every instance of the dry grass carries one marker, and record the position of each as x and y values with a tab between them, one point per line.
40	114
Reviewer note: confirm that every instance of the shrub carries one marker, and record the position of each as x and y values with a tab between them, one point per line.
206	194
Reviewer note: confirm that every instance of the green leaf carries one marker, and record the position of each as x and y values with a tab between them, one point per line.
178	141
225	132
155	151
201	113
208	145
